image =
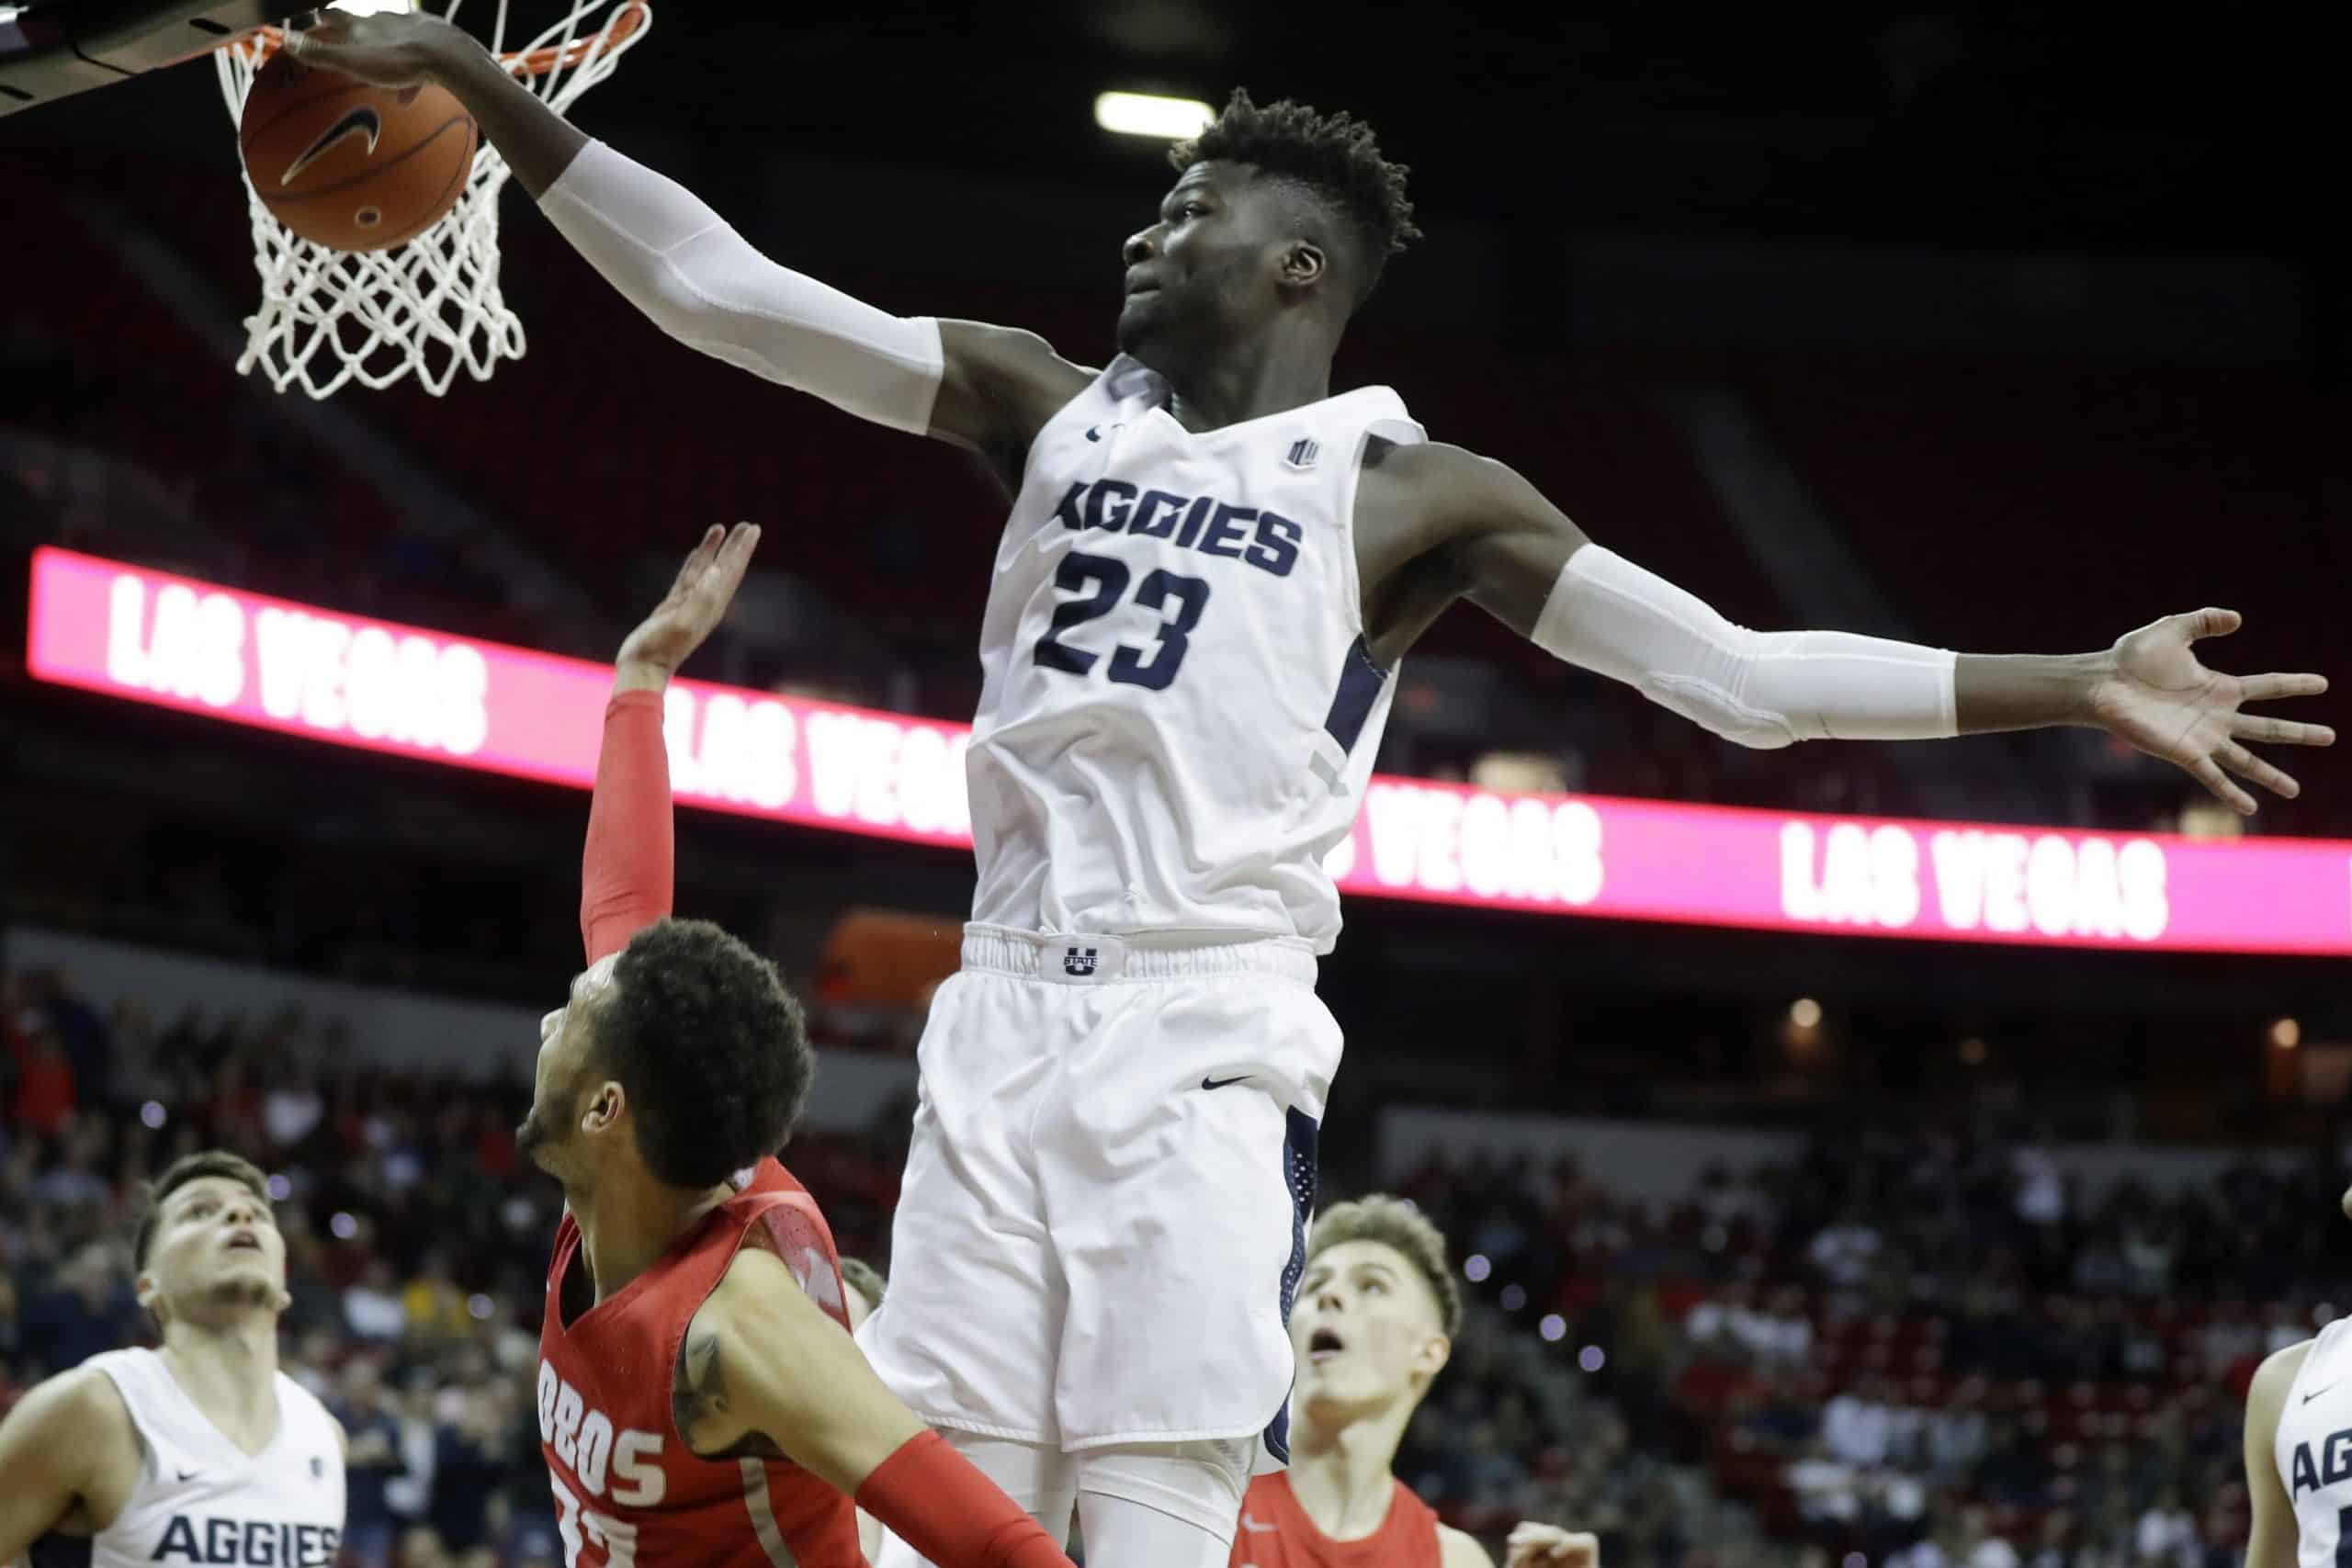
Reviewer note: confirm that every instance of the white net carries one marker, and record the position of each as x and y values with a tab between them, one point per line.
431	306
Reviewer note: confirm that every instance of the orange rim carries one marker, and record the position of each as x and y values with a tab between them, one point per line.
624	26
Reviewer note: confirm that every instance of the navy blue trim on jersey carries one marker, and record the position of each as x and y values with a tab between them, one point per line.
1359	683
1301	1139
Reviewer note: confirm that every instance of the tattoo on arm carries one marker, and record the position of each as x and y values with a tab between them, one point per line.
698	1400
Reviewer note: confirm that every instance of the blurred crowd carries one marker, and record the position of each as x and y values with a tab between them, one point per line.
1923	1342
1926	1343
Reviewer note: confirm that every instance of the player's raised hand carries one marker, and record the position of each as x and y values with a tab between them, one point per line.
1535	1545
393	49
2163	701
690	612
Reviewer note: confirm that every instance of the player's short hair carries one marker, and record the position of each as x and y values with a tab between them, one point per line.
711	1048
865	1279
1332	156
183	1170
1396	1225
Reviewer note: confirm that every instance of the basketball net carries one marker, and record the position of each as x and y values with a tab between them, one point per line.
430	306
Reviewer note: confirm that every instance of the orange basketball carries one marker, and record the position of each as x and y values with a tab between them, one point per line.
354	167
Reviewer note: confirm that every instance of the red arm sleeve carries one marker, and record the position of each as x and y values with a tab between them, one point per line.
627	871
937	1501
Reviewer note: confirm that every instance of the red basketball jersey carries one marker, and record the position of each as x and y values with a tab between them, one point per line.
627	1489
1276	1533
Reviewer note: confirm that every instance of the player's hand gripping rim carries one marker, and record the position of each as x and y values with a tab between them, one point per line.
385	49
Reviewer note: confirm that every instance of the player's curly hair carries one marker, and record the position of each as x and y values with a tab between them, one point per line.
712	1049
178	1174
1334	156
1399	1226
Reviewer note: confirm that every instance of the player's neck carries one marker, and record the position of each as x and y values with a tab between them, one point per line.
1340	1474
626	1226
1243	381
229	1370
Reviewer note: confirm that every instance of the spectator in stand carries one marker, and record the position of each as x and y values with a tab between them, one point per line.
371	1309
1828	1487
1858	1427
291	1110
80	1032
469	1461
90	1308
2055	1549
73	1181
46	1094
372	1460
139	1072
2167	1534
435	1307
1980	1546
1957	1437
1845	1251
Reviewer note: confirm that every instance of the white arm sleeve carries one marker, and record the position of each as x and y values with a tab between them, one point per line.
701	282
1760	688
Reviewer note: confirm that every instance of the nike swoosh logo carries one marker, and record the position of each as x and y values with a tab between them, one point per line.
1220	1083
361	122
1250	1524
2315	1394
189	1474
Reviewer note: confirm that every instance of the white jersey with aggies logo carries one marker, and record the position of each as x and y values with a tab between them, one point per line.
1179	714
2314	1448
202	1499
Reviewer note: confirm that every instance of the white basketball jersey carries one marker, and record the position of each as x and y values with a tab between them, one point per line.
2314	1447
202	1499
1179	712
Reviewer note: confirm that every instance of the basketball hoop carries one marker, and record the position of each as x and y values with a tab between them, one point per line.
431	306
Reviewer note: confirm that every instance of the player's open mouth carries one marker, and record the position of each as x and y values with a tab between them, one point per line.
243	1240
1322	1345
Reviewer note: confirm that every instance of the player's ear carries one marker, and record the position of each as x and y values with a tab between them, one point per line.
604	1106
1304	265
1432	1356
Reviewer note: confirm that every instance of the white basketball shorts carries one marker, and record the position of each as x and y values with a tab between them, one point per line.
1104	1212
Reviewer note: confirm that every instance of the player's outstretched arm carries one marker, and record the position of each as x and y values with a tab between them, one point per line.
1519	557
762	1369
987	389
54	1448
626	869
2272	1544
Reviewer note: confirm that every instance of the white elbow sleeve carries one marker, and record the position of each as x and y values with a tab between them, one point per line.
701	282
1760	689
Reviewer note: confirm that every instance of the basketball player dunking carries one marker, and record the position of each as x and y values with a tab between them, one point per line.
1374	1323
700	1398
1210	571
2298	1452
201	1451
